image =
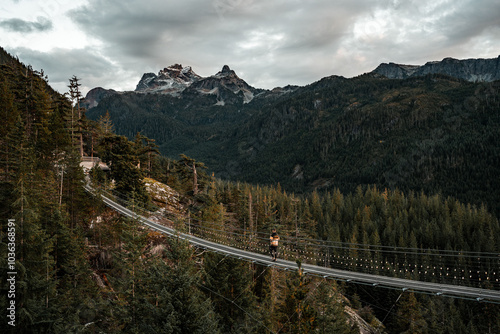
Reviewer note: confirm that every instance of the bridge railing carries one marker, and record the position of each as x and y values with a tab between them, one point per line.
431	265
438	266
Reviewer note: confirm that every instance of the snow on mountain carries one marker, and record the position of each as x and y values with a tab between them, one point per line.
171	80
175	79
179	81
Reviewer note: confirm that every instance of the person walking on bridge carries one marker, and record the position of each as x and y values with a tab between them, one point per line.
273	245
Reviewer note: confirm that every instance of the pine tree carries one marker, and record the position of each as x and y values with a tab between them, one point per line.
10	116
234	301
128	272
332	317
77	113
106	124
78	302
272	294
193	311
191	174
119	154
409	316
298	315
34	261
146	150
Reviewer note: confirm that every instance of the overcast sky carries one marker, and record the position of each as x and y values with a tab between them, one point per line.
269	43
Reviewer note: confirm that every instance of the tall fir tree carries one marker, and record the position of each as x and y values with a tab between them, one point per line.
232	284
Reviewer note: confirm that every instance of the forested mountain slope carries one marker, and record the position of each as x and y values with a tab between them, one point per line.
83	268
432	133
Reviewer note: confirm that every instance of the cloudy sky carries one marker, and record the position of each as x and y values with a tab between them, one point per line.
269	43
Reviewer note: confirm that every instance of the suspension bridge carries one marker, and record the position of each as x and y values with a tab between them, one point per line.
466	275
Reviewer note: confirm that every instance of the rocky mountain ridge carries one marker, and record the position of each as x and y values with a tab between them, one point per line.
179	81
474	70
171	80
224	84
228	88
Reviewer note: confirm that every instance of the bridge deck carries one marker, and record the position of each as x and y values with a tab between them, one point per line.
449	290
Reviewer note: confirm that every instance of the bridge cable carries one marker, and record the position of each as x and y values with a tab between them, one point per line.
345	245
238	306
388	312
460	253
417	291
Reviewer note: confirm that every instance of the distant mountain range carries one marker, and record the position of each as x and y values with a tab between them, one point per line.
175	79
432	127
468	69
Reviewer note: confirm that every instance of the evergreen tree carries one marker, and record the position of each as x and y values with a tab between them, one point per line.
191	175
193	312
234	300
119	154
409	316
332	317
106	125
146	150
297	313
34	261
128	272
77	119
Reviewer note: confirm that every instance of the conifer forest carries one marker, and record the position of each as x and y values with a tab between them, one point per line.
84	268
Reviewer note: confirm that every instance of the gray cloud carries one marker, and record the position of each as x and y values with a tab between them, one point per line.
61	64
255	36
465	23
271	43
18	25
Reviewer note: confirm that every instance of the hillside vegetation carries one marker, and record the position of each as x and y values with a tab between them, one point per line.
434	134
83	268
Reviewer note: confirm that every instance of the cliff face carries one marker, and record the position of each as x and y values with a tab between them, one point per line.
474	70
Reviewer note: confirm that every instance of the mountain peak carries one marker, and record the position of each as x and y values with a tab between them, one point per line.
226	72
177	71
171	80
174	79
226	85
95	95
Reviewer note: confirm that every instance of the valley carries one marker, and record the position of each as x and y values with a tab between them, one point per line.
367	175
413	134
